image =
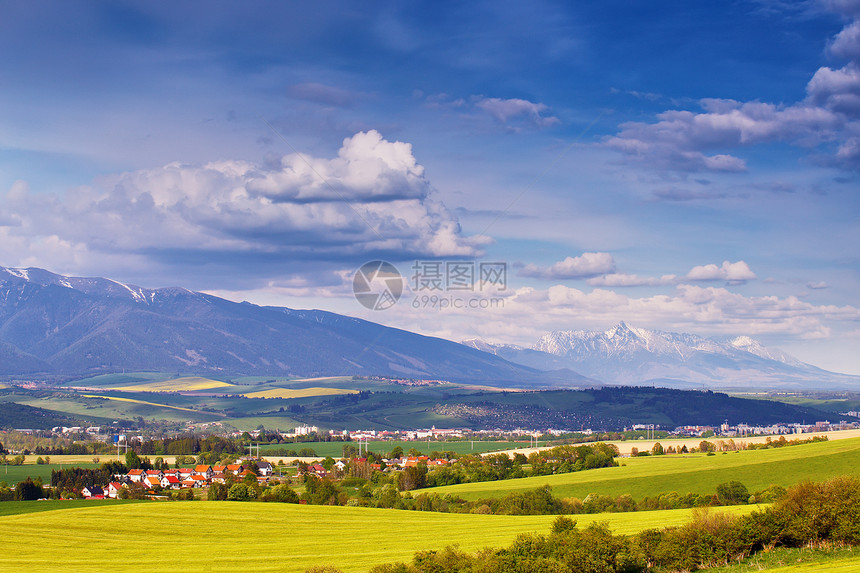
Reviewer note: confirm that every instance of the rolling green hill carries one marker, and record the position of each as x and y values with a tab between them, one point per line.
221	536
696	473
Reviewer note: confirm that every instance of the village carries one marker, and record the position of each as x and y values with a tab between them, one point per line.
265	474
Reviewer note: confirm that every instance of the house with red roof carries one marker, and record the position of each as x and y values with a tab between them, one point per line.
113	489
170	481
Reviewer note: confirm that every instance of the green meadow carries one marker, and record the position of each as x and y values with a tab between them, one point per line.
335	449
14	474
696	473
218	536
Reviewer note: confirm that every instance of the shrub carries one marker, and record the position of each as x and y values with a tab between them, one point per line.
732	493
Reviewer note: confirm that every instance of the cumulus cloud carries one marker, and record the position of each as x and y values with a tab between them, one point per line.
846	44
680	140
683	140
735	273
371	200
583	266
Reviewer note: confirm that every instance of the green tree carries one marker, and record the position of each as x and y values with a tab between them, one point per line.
28	490
657	450
413	477
238	492
217	492
132	460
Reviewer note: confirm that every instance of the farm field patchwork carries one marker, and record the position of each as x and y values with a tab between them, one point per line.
298	392
264	537
185	384
144	402
696	473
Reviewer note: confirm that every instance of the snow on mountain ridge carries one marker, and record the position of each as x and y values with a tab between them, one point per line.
622	341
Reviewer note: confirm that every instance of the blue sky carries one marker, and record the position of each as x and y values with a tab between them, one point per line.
680	166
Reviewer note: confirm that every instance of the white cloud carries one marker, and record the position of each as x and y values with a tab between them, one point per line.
846	44
738	272
583	266
371	200
837	90
682	140
527	313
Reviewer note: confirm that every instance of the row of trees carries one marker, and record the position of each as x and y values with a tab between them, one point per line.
809	514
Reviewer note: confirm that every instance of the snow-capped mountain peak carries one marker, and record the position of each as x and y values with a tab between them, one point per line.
625	354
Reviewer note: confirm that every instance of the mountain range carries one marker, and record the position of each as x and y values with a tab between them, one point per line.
67	326
59	326
637	356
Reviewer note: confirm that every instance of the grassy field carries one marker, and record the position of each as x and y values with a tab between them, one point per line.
15	474
697	473
217	536
22	507
335	449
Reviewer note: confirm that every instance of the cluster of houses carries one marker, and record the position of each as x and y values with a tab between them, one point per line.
204	475
199	476
392	464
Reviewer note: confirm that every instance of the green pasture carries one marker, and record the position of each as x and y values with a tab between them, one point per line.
120	379
218	536
246	424
335	449
696	473
15	474
109	410
22	507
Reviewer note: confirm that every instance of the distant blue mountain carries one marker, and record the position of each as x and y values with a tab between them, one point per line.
61	325
625	355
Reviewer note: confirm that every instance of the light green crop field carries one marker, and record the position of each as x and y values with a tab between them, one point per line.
335	449
220	536
696	473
